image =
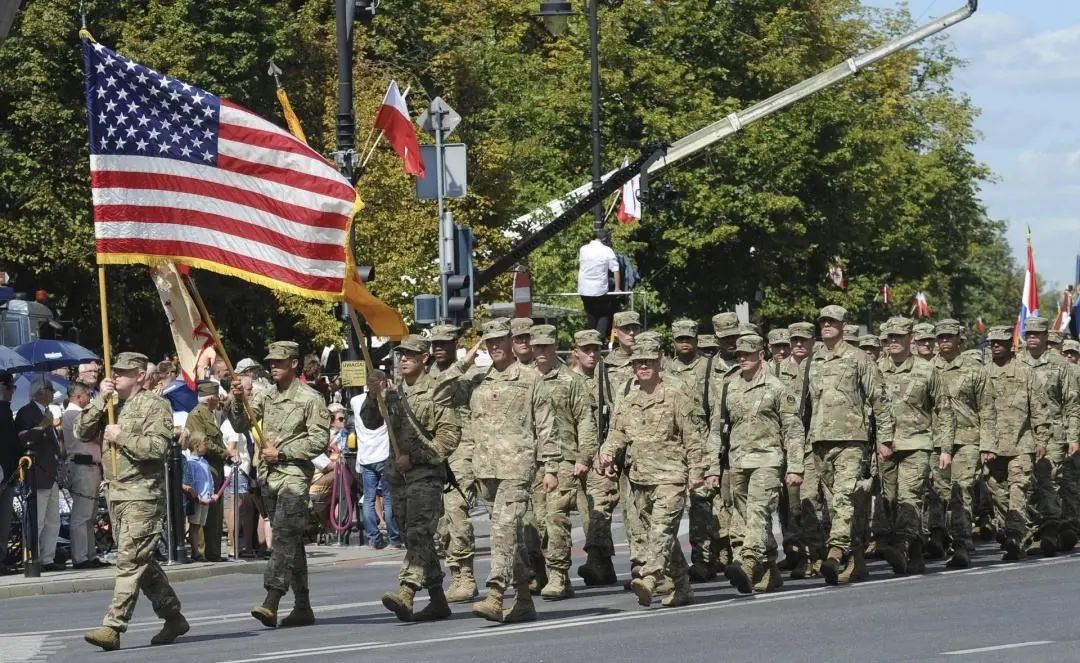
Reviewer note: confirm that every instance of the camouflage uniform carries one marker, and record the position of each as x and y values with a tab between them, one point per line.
297	423
1054	473
665	433
202	420
135	493
1021	425
923	419
566	393
964	379
844	387
764	435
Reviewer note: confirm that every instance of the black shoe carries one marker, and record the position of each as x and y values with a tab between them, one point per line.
53	566
88	564
1013	550
100	564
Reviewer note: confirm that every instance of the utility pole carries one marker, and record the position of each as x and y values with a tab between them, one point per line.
594	59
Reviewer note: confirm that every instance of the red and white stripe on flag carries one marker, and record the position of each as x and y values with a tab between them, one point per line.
886	294
1029	298
394	121
921	308
179	174
629	201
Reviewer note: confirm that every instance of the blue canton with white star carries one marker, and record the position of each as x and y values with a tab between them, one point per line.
135	111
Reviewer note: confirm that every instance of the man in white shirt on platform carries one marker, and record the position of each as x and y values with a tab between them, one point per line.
595	261
372	462
84	476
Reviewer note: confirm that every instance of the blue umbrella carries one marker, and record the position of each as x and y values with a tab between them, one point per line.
24	382
49	355
13	362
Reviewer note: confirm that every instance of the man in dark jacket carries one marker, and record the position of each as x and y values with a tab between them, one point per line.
43	441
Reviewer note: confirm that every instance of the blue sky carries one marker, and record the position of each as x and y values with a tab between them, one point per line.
1024	73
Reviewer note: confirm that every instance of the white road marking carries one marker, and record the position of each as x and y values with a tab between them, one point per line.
981	650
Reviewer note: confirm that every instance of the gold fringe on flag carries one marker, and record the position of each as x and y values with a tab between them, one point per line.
290	115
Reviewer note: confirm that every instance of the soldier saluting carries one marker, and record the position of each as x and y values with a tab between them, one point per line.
136	477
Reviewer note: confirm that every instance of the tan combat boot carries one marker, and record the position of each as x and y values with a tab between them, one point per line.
105	637
463	586
267	612
558	587
831	566
301	614
741	573
491	607
680	596
855	569
174	627
437	608
644	588
523	609
400	602
771	578
540	576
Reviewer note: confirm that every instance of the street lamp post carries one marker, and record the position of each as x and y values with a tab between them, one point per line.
556	14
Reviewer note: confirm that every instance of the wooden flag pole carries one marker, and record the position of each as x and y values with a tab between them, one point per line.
106	351
220	347
379	397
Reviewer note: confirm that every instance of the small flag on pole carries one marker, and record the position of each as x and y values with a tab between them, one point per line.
921	307
1029	298
394	121
836	273
886	293
629	201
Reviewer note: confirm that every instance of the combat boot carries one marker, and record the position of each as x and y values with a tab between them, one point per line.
1013	549
831	565
267	612
664	585
437	608
644	588
770	580
1048	542
959	559
681	595
540	576
916	556
896	556
792	556
597	570
854	570
1067	540
723	554
523	609
463	586
105	637
558	587
635	572
301	614
809	565
701	572
936	545
174	627
874	550
400	602
491	607
741	574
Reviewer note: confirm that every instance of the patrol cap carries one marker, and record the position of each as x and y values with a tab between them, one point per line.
1036	324
645	349
587	337
948	327
543	335
706	341
924	331
750	343
208	388
684	328
521	326
747	328
125	361
283	350
247	364
1070	346
896	325
851	333
649	335
627	318
725	324
1000	333
413	343
443	333
801	330
495	328
974	354
869	341
779	337
1055	337
832	312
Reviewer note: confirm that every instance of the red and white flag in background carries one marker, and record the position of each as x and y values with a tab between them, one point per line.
886	293
394	121
921	308
629	202
836	273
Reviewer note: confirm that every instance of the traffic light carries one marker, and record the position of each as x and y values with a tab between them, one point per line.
363	11
459	282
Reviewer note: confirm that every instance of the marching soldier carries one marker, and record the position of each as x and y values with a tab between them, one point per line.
924	338
706	344
663	430
1071	350
843	388
755	423
567	394
511	429
871	345
627	327
1022	435
851	335
296	429
427	433
923	420
133	451
779	348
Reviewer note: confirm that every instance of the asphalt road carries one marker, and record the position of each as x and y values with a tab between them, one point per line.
992	612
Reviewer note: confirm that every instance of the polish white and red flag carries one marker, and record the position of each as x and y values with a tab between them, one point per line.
921	307
1029	298
886	293
629	201
395	123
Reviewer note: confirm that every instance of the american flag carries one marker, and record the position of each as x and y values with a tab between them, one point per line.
181	174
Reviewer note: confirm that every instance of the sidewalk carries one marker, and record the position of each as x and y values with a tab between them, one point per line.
70	581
